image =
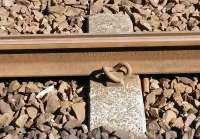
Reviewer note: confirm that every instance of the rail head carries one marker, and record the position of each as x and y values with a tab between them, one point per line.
149	39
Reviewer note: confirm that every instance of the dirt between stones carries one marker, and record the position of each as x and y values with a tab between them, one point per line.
47	110
42	16
172	107
70	16
154	15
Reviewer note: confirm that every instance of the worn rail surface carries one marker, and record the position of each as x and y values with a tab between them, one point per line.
58	55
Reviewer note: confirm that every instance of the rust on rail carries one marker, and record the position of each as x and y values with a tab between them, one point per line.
99	41
76	63
148	53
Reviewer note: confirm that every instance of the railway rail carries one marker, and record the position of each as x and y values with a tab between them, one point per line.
60	55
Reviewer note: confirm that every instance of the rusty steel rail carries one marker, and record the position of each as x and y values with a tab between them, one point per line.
149	53
99	41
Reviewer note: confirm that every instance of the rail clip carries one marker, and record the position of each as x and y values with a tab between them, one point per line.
118	73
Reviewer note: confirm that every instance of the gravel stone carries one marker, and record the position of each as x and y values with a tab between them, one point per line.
8	3
4	107
52	103
21	120
32	112
6	119
174	111
13	86
79	110
32	88
72	124
153	15
42	16
24	115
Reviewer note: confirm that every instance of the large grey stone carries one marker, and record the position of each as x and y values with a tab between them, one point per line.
110	24
118	107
